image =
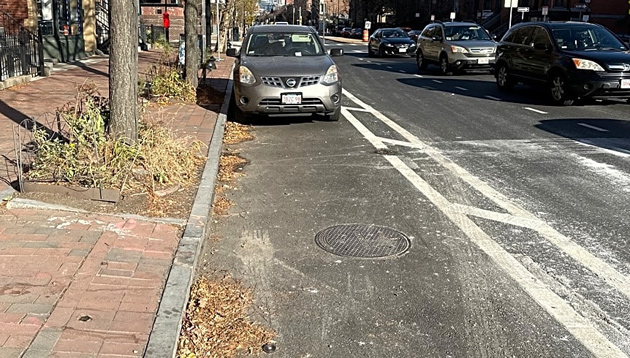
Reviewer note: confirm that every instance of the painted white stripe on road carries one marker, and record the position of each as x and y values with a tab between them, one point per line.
573	322
593	127
461	88
437	81
419	76
390	67
398	142
493	98
358	51
356	109
363	129
614	151
535	110
402	71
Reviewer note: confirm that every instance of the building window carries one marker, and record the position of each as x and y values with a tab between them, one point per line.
558	3
66	16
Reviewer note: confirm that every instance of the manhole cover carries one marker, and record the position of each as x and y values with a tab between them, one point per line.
366	241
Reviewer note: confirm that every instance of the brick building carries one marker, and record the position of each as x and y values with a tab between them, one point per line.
152	13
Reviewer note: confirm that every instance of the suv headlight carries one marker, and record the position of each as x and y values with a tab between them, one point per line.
456	49
581	64
388	44
331	76
246	76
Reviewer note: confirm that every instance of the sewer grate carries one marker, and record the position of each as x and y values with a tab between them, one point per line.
363	241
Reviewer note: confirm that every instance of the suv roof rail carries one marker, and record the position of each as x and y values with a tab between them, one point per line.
471	21
437	22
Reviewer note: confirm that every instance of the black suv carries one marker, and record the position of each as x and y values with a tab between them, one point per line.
572	59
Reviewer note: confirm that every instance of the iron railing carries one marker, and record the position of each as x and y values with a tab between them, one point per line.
102	24
21	51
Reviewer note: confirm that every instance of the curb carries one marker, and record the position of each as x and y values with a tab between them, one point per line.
167	325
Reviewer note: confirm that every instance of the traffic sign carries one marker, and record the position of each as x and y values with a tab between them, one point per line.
511	3
545	10
452	16
523	9
368	25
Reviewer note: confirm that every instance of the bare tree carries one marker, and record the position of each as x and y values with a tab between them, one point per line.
123	70
191	24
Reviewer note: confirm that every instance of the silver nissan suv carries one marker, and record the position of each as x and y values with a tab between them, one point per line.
456	46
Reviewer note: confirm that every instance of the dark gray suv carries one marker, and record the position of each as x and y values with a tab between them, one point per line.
455	46
571	59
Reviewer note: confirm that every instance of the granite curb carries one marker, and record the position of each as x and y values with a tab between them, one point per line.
167	325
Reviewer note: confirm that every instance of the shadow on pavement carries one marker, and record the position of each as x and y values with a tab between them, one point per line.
611	134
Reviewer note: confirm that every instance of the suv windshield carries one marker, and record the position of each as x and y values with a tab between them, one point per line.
586	38
283	44
466	33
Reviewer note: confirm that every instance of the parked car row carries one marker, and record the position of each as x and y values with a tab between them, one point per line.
572	60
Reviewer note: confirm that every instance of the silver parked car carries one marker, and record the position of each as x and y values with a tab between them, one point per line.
284	70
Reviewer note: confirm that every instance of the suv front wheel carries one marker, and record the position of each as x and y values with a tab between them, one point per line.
558	91
422	63
444	66
504	81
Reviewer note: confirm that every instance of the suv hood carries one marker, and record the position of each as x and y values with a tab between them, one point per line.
401	40
287	66
602	56
473	43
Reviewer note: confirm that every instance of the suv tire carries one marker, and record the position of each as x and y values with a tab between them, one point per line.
334	116
370	54
381	52
558	91
504	80
420	60
444	66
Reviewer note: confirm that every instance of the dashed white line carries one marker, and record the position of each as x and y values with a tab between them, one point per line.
390	67
402	71
419	76
437	81
493	98
592	127
535	110
461	88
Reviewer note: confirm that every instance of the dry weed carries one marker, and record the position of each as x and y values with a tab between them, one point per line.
236	133
217	325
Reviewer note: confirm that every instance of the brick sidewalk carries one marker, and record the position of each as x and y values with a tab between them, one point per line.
84	284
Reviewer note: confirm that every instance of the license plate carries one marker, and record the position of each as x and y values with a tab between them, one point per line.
483	61
625	83
292	98
402	50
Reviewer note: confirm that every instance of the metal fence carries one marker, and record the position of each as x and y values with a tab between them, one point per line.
21	51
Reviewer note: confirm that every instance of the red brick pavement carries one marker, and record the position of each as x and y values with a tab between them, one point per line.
83	285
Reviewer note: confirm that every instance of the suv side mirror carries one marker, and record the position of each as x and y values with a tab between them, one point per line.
334	52
541	46
231	52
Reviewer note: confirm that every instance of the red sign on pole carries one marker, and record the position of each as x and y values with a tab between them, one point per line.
166	22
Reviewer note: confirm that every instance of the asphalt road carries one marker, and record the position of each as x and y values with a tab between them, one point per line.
516	212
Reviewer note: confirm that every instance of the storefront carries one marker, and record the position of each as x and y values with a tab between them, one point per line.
68	28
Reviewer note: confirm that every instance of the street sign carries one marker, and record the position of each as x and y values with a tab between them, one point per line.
523	9
511	3
452	16
545	10
417	14
432	17
368	25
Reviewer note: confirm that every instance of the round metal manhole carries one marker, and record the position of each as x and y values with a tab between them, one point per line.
363	241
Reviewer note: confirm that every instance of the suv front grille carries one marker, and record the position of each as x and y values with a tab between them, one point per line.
281	81
619	67
482	51
277	101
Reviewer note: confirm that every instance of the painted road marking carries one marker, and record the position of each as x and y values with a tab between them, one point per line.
461	88
390	67
589	336
535	110
437	81
593	127
402	71
419	76
493	98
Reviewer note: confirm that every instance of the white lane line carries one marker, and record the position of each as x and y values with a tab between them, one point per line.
614	151
402	71
356	109
461	88
419	76
363	129
593	127
535	110
395	126
357	51
562	312
378	64
437	81
398	142
390	67
493	98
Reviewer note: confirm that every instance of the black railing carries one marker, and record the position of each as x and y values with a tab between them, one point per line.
102	24
21	51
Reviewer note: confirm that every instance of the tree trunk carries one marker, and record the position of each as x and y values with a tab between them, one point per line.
191	22
123	70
